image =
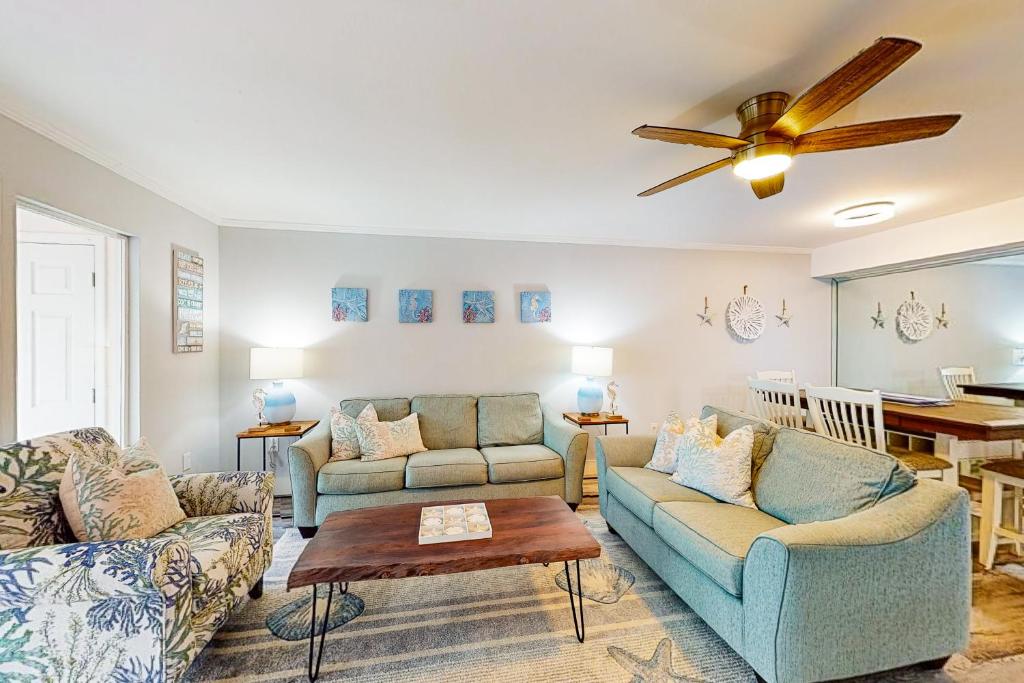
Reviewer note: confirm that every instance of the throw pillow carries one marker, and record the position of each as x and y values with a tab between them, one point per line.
344	435
380	440
720	470
127	499
137	457
666	447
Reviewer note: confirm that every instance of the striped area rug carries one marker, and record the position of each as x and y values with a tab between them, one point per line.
509	624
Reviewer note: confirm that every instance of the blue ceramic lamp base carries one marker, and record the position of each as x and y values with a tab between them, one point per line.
590	398
280	404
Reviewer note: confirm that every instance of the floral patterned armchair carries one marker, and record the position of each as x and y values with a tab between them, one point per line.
120	610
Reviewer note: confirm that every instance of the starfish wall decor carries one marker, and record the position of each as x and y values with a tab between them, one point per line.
878	318
941	320
783	317
705	317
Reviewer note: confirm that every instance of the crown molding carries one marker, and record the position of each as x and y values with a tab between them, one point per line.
384	231
69	141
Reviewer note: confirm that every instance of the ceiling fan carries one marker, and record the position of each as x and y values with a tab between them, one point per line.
772	133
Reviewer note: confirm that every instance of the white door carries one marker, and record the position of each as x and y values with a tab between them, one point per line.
56	338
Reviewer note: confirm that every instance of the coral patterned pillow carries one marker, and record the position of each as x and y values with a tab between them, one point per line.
380	440
666	448
345	434
126	499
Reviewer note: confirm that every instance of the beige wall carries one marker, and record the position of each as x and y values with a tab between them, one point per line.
275	291
986	314
179	393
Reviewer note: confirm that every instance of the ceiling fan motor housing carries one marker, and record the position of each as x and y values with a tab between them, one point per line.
758	113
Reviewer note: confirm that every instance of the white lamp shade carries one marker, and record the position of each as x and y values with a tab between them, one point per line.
275	363
592	361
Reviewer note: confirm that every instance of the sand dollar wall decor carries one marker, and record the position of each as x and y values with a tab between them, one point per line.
913	320
745	317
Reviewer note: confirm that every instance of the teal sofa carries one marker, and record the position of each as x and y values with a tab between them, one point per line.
492	446
849	566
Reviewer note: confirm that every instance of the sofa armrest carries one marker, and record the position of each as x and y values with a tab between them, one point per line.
120	610
620	451
570	442
305	458
224	493
895	579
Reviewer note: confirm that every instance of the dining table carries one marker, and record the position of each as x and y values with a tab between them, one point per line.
1011	390
961	430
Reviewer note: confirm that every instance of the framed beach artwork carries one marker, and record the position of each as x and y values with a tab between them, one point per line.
535	307
348	304
415	306
478	307
186	300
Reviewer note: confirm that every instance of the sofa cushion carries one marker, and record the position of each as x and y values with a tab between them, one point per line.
447	421
445	467
812	478
509	420
640	489
529	462
715	539
362	476
764	434
221	547
388	409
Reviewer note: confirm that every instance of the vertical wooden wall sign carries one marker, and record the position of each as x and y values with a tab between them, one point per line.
187	300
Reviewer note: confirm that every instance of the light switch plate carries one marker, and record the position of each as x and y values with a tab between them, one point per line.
1018	356
186	461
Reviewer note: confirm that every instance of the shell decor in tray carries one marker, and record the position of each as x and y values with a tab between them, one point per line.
745	317
446	523
913	320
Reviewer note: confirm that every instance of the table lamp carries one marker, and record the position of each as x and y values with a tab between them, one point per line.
277	365
591	361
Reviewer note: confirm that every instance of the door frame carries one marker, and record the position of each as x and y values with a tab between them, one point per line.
98	239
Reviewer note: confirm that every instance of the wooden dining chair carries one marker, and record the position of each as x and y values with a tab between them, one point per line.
776	402
782	376
953	377
856	417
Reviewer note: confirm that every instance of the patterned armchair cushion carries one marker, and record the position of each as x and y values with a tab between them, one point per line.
221	548
222	493
118	610
30	475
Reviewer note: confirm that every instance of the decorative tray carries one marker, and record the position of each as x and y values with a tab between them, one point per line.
446	523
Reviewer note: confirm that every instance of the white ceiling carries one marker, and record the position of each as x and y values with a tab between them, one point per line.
510	119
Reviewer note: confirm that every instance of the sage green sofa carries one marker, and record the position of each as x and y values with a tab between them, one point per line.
492	446
849	566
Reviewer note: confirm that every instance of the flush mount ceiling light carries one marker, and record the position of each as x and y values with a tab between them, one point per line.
863	214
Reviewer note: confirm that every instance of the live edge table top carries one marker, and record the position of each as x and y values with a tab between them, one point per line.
383	542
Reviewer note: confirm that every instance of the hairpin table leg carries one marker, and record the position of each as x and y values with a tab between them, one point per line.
579	625
315	673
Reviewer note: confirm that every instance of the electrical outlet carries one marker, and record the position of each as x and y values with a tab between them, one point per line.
186	461
654	427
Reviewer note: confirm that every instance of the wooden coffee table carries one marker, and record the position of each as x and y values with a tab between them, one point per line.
383	543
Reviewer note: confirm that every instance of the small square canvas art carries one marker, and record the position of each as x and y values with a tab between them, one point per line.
477	307
415	306
348	304
535	307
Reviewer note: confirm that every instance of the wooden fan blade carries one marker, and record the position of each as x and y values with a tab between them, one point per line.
844	85
690	175
683	136
875	133
766	187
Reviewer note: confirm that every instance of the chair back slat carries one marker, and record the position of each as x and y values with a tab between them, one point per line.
776	402
848	415
953	377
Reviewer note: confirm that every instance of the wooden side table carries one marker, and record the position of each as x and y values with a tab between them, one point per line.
600	419
297	428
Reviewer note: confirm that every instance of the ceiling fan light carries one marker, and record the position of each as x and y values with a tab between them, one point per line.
863	214
761	167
